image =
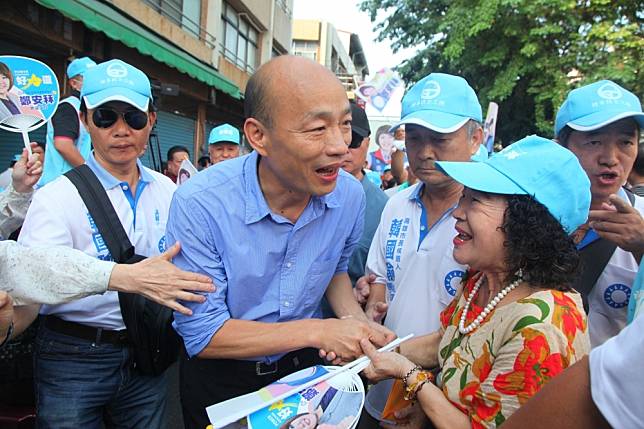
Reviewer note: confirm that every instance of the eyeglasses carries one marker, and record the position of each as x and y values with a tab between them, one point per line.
104	117
356	141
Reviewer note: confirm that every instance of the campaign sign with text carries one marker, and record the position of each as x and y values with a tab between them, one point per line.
29	94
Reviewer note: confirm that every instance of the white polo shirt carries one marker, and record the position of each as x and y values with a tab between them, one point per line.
616	377
417	265
608	300
58	216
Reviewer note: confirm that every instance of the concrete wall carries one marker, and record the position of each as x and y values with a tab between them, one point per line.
282	28
234	73
306	29
166	28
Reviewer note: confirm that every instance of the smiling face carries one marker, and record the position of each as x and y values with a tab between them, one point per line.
307	141
386	142
607	155
5	85
479	242
222	151
118	146
425	147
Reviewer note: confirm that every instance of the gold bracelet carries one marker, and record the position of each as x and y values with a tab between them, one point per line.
409	373
421	378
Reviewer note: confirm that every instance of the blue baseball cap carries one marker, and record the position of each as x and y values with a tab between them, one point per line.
441	102
116	80
224	133
597	105
481	154
533	166
79	66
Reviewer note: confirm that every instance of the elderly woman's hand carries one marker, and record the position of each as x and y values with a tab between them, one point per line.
385	364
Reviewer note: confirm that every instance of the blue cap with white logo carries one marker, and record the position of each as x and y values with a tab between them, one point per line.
225	133
533	166
440	102
597	105
79	66
116	80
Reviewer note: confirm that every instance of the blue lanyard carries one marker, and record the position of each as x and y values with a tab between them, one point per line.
590	237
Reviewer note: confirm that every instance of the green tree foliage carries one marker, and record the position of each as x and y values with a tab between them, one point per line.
524	54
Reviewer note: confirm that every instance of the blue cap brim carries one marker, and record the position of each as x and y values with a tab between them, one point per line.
223	141
440	122
481	177
598	120
125	95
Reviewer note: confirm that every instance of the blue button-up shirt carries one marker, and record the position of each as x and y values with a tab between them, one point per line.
265	268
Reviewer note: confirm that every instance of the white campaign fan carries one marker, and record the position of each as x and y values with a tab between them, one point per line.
346	377
22	123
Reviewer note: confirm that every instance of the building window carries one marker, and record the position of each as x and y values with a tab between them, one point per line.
306	48
185	13
239	40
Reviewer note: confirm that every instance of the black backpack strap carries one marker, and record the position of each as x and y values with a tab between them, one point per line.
594	259
102	211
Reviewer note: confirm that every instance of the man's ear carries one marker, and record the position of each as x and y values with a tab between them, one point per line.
83	117
255	133
477	140
152	118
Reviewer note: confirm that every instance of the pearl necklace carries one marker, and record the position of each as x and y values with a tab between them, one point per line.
489	307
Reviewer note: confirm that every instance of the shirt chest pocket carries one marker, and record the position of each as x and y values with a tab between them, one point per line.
317	280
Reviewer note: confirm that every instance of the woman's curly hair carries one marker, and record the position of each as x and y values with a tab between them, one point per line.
538	245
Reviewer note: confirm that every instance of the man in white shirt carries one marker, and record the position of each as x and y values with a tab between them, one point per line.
411	253
601	124
83	365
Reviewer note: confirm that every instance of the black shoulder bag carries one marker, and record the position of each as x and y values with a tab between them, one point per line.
594	259
154	342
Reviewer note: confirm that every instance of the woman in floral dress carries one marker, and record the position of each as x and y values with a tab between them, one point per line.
516	323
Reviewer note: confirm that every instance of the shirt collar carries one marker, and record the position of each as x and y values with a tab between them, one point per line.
107	180
256	205
415	196
417	193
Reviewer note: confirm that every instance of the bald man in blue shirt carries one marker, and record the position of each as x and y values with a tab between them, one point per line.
274	230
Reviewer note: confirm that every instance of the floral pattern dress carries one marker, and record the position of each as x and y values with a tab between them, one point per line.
492	371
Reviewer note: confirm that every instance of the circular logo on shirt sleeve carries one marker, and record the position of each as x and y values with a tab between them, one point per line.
617	295
162	244
452	280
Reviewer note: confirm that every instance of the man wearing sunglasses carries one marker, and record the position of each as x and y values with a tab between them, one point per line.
83	365
376	199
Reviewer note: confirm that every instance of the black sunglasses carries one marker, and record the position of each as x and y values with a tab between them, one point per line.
105	117
356	141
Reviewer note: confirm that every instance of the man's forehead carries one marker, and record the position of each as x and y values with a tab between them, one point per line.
626	126
321	113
